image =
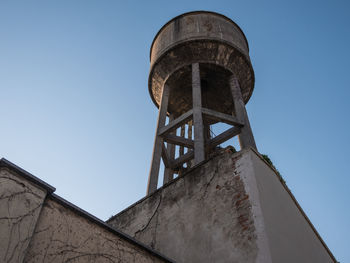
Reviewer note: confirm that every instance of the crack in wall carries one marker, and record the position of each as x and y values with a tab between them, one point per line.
205	216
210	181
149	221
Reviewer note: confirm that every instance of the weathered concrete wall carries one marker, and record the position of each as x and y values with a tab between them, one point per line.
292	238
204	216
20	205
65	236
39	226
232	208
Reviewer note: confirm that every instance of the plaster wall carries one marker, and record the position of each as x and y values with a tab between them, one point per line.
39	226
232	208
291	237
203	216
20	206
64	236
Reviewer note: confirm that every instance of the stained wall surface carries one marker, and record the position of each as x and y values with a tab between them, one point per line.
233	208
204	216
198	25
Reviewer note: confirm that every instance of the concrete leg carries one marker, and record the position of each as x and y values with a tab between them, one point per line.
168	172
246	138
158	142
207	137
199	149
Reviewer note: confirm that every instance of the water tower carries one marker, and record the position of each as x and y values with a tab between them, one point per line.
200	75
230	206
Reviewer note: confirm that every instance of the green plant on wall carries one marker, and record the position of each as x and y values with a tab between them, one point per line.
268	160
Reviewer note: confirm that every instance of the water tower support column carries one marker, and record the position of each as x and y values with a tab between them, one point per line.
199	149
168	172
246	138
158	143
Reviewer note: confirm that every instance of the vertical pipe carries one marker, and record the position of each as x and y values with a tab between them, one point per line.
199	150
246	138
158	141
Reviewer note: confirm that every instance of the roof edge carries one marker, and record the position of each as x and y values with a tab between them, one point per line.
5	163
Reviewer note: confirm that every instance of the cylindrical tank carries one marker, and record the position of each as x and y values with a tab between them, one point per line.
212	40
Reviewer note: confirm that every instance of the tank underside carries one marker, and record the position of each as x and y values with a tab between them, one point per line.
217	60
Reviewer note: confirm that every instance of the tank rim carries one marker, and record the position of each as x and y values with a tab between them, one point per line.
196	12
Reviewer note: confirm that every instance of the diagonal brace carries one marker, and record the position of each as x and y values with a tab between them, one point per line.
165	156
173	125
222	137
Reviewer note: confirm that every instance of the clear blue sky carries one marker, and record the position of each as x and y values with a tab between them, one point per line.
75	108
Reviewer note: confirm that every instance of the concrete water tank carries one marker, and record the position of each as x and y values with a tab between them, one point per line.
214	41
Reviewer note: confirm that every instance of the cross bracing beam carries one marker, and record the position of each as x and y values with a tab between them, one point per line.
182	159
171	138
165	156
224	136
173	125
218	116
